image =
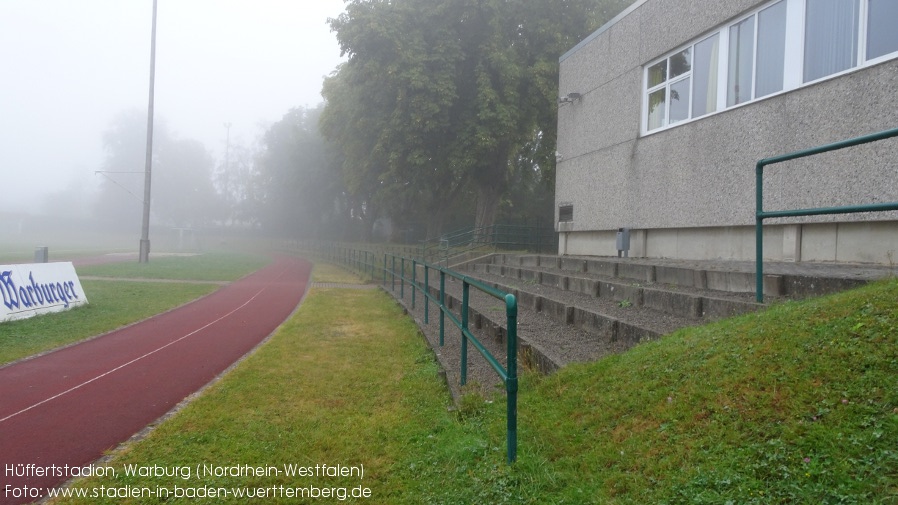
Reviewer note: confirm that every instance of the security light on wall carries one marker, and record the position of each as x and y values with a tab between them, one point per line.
570	98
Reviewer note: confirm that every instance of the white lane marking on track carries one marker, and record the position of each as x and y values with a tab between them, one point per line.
104	374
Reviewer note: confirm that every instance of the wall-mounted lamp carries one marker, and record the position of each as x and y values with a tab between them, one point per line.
570	98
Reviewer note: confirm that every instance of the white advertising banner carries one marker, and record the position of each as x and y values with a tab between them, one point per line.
38	288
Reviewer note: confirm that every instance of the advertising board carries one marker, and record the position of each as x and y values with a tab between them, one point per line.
28	290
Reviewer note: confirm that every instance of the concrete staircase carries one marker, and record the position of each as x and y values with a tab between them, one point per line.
576	309
626	301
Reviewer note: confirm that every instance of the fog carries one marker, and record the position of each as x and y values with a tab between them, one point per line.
68	69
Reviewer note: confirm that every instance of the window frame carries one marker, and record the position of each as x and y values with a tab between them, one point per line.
667	83
793	62
863	39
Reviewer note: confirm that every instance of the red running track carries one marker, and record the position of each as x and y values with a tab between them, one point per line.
69	406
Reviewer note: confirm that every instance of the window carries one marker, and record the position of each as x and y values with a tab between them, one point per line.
669	93
704	74
830	41
771	49
657	108
882	37
757	52
683	85
742	42
749	59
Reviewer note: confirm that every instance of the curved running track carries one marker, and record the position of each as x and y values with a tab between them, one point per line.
71	405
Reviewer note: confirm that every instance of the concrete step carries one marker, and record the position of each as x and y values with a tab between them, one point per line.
614	325
781	279
674	299
490	327
606	305
611	319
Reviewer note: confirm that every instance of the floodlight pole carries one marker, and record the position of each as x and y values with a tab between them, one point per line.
145	229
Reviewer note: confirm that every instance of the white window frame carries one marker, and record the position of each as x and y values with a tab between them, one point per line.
666	84
793	62
754	57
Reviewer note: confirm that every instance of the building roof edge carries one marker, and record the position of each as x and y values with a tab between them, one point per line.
635	5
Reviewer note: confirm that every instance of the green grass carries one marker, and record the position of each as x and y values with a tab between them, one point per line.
359	388
794	405
62	246
112	304
214	266
326	272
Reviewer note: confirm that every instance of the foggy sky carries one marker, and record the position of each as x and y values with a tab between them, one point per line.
67	68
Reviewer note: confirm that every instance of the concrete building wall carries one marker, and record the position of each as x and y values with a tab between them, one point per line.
689	190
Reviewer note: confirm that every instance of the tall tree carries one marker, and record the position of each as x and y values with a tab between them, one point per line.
182	192
300	194
388	106
236	183
360	163
119	204
445	95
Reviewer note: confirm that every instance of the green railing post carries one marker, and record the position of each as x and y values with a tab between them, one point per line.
759	232
402	278
442	305
760	215
393	272
426	294
464	329
414	280
511	383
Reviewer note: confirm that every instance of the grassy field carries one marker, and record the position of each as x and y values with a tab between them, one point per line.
116	303
794	405
63	245
212	266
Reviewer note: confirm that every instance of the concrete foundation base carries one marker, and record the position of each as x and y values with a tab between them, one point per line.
873	242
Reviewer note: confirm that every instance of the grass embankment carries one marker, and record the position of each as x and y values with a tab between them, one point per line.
116	303
795	405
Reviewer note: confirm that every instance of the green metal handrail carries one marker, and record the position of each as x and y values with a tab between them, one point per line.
508	374
761	215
